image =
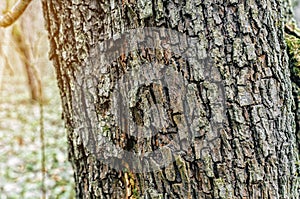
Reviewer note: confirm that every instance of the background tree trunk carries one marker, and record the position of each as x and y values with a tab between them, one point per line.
24	51
20	45
254	152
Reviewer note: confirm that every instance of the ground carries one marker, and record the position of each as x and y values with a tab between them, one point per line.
20	144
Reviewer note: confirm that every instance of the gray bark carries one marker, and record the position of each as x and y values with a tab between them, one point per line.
252	153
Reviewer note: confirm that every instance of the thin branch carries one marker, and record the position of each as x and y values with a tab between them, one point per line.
11	16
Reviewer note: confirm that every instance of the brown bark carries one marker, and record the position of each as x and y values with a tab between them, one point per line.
251	155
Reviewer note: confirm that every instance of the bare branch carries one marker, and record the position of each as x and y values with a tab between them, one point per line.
11	16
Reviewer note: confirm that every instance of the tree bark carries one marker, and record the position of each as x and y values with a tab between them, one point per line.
224	125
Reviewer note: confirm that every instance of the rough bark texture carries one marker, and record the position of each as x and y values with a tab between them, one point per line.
255	153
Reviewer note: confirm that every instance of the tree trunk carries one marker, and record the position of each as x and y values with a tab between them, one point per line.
197	106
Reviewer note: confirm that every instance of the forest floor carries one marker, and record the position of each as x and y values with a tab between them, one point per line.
20	143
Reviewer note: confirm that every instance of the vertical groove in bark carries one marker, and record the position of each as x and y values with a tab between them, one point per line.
255	154
292	39
296	93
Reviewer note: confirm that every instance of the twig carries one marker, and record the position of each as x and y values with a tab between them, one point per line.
42	138
11	16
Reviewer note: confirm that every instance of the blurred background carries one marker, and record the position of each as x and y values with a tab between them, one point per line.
24	66
296	6
24	69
